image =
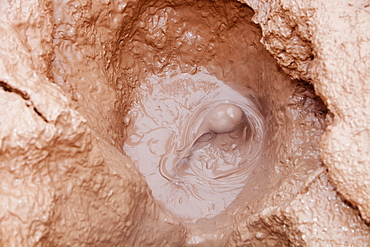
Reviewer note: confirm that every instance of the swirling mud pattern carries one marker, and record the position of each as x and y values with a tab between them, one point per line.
196	140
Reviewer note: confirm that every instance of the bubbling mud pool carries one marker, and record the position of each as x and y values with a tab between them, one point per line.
173	63
166	119
145	75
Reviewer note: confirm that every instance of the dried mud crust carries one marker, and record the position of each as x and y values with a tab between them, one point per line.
68	70
310	36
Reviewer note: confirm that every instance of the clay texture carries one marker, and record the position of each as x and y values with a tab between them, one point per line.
329	45
70	72
62	184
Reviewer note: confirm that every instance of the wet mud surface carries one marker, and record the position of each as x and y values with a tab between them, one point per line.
179	55
162	123
182	60
167	119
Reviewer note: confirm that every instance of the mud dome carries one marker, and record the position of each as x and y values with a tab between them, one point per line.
102	141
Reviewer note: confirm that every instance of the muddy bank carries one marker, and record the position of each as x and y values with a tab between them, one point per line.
309	42
86	84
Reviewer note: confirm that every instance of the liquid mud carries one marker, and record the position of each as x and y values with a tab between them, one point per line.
163	66
169	114
225	122
71	70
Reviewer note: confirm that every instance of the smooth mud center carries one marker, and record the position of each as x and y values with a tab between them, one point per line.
196	140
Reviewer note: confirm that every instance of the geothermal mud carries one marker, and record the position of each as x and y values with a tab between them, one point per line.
202	180
105	138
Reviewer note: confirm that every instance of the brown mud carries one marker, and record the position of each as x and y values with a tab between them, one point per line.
180	60
166	121
109	135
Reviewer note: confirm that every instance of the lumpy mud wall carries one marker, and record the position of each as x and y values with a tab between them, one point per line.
184	123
